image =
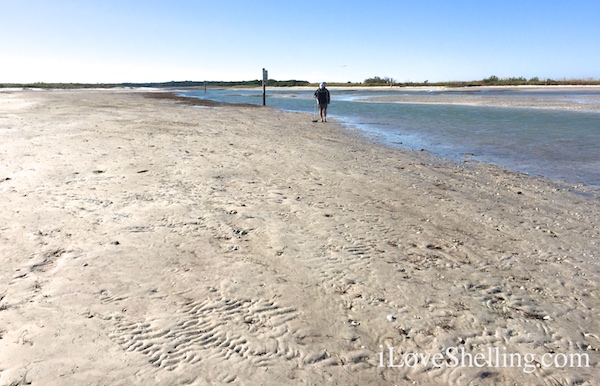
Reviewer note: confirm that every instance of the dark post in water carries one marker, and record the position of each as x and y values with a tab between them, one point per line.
264	84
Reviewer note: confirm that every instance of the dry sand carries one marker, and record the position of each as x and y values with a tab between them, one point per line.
145	241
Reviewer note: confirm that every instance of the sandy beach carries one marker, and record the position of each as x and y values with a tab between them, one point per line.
147	240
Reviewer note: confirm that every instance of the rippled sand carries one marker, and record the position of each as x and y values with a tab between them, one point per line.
147	241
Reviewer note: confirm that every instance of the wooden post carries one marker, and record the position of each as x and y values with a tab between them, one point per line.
264	85
205	87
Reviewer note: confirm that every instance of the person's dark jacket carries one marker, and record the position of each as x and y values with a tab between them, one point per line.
322	96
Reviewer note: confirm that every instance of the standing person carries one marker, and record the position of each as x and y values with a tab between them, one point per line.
322	96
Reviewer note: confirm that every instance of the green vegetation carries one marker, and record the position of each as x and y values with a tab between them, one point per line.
374	81
491	81
377	81
55	85
172	84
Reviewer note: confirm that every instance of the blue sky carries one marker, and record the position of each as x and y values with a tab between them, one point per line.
327	40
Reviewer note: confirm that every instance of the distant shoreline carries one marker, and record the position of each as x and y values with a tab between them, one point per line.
470	96
443	88
476	84
4	87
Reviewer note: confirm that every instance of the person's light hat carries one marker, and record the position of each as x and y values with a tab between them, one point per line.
322	85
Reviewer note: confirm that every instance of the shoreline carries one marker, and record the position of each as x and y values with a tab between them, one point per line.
470	96
145	241
438	93
425	88
502	101
417	88
475	96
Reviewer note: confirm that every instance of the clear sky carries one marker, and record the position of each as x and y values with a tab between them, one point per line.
95	41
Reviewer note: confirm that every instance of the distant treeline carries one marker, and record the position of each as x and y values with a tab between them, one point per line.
374	81
491	81
172	84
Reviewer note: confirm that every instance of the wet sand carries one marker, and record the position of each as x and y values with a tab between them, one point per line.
148	241
547	97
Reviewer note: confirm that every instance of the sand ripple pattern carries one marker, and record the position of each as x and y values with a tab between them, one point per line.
221	329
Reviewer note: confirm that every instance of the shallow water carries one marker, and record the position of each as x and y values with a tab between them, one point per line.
556	144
